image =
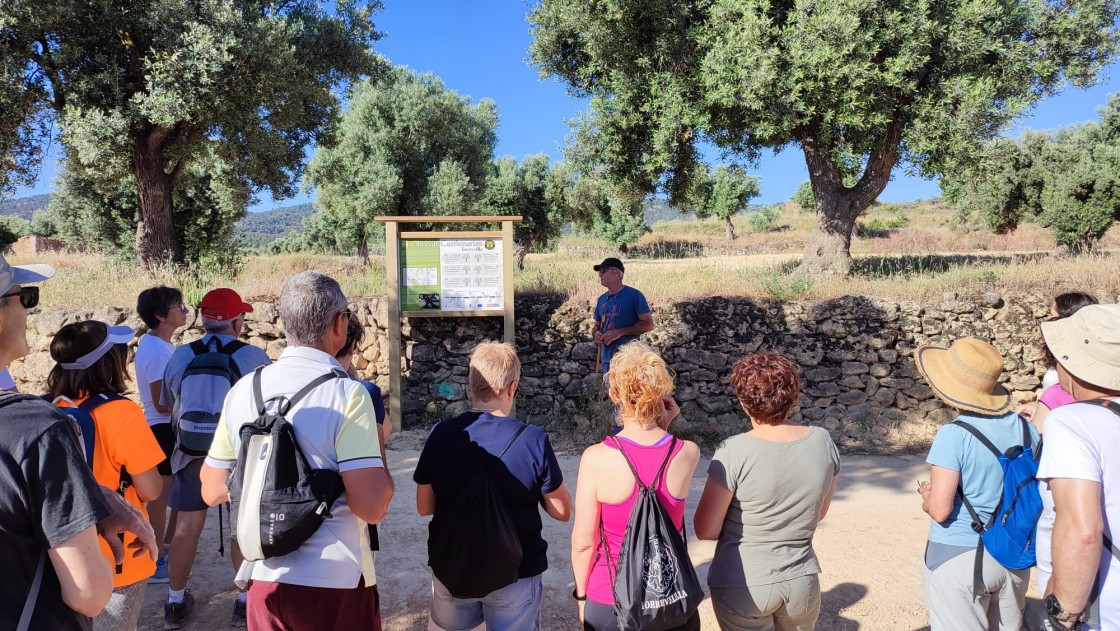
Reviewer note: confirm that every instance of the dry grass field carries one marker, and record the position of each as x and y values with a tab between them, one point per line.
922	257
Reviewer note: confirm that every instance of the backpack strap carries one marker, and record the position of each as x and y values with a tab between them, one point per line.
32	595
660	471
978	526
230	347
285	404
513	440
198	347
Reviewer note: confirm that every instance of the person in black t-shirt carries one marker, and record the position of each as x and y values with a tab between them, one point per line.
529	478
51	508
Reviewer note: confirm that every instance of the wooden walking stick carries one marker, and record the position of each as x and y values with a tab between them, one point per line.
599	356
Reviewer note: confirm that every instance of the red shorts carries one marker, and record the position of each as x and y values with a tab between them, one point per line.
284	607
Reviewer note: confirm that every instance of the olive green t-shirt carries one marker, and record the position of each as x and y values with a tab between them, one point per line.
777	492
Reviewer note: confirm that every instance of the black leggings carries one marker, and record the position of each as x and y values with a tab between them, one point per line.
600	617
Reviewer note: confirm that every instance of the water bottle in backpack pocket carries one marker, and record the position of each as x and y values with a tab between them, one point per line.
202	390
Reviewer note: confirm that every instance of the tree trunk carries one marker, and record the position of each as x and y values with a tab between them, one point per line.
363	251
156	244
729	228
519	251
828	250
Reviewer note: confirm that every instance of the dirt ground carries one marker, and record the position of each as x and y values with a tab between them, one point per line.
869	547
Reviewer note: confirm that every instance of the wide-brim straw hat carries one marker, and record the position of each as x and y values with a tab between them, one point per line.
965	375
1087	344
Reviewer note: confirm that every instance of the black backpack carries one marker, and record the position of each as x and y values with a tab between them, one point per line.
280	501
479	551
655	586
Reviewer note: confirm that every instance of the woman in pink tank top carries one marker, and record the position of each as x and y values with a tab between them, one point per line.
641	387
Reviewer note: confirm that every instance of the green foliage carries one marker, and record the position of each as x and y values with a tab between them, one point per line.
11	230
601	208
143	90
44	223
406	146
765	219
534	189
803	197
1069	181
207	204
855	83
786	287
722	194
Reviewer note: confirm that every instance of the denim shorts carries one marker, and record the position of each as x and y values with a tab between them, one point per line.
515	607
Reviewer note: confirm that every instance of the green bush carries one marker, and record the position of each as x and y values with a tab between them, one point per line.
765	219
803	197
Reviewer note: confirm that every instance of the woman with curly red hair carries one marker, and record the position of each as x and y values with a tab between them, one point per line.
767	490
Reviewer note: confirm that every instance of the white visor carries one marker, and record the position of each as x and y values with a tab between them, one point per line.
114	335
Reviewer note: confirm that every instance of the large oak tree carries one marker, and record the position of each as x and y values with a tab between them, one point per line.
883	82
142	88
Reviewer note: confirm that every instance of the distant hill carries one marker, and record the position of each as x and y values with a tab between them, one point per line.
657	210
257	230
25	207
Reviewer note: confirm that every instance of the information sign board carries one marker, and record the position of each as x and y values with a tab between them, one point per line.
453	274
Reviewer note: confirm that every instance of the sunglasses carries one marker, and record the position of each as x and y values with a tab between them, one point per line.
28	296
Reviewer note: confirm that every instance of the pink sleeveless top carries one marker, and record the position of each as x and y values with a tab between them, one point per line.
647	460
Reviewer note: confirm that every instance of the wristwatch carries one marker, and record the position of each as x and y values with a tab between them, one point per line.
1056	613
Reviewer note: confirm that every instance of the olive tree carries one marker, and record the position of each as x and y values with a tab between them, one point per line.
881	82
143	88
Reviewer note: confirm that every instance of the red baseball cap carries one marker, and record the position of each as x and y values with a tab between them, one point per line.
223	304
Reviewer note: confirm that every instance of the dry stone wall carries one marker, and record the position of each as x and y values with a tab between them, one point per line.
859	379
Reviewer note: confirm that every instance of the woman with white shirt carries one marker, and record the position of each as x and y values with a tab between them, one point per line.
163	311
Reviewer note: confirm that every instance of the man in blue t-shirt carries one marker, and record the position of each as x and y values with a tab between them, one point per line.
621	313
526	477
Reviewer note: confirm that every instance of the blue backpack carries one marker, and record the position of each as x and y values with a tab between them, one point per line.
82	415
202	390
1009	533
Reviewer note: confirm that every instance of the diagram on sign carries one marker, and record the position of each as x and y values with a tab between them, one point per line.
472	274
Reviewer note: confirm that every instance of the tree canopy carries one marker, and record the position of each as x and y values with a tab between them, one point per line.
406	146
722	194
141	89
1068	180
870	82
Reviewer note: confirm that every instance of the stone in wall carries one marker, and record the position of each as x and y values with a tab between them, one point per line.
858	377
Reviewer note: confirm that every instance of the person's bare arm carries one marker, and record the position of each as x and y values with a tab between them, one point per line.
425	500
558	504
1077	541
828	497
643	325
711	511
585	528
215	488
368	492
156	388
938	493
148	484
125	518
84	574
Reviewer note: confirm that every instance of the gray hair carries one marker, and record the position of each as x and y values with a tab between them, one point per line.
210	325
308	303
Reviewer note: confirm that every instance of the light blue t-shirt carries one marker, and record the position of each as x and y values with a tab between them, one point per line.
981	475
618	311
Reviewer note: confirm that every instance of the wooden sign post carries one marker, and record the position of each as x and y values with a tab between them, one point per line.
445	275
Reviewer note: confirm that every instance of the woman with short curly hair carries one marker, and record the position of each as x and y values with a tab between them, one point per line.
641	386
767	490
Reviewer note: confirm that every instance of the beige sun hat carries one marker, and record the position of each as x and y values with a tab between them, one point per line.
965	375
1087	344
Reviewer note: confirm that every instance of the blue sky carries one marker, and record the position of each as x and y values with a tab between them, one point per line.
479	48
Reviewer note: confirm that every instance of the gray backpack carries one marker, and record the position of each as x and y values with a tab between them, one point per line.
202	390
